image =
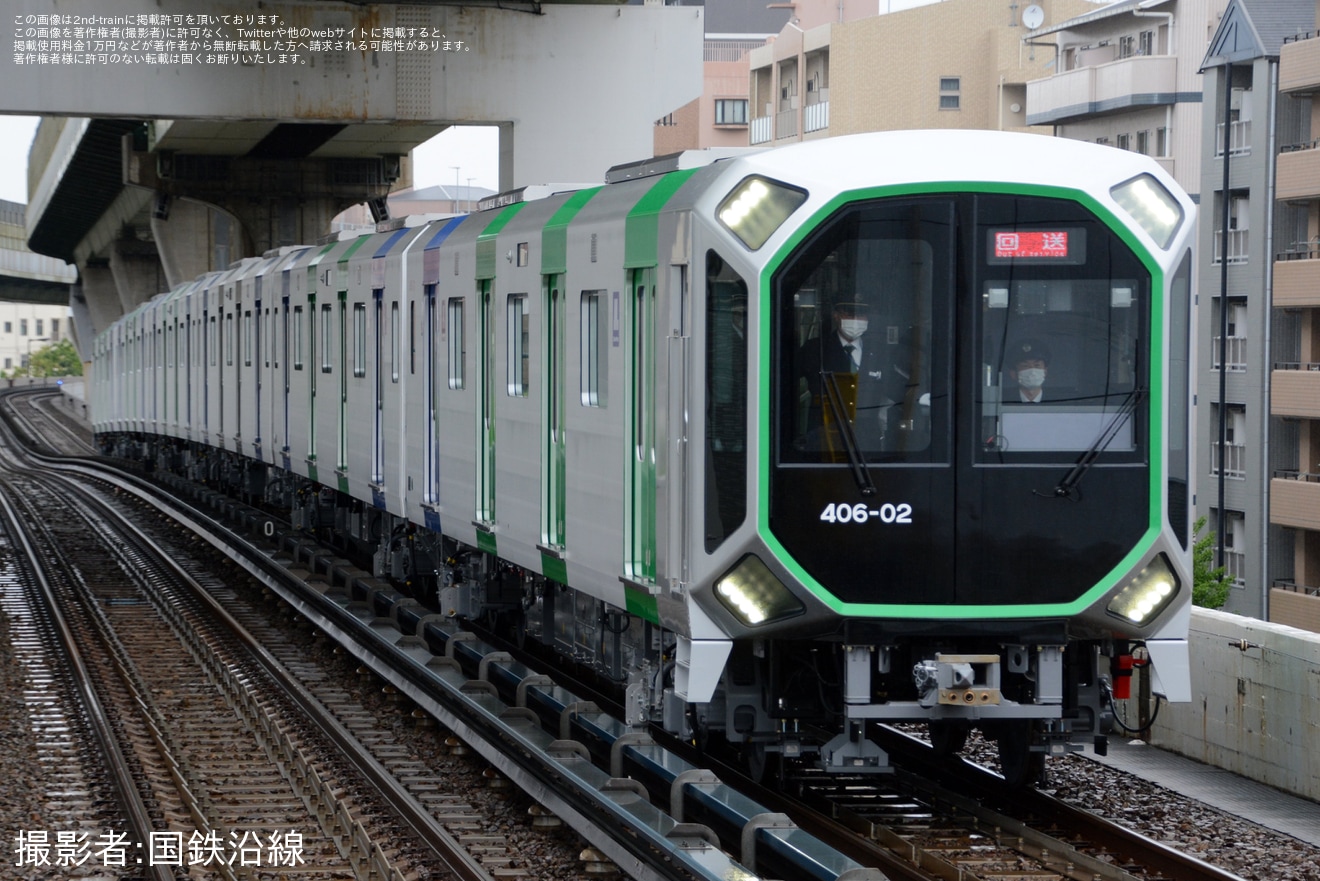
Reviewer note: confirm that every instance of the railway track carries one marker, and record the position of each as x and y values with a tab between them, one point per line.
905	826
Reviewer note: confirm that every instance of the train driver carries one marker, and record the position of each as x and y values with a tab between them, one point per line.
1029	363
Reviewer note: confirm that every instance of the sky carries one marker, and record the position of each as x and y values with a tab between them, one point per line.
474	149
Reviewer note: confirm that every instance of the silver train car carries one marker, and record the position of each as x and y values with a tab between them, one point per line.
873	428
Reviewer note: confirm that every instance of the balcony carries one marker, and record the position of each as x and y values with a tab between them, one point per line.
1295	390
1236	464
1236	354
761	132
1297	277
1295	500
1299	65
1239	138
1239	242
1140	81
786	124
1297	177
816	117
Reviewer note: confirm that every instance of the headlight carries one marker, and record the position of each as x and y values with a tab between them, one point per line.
757	207
754	595
1152	206
1147	594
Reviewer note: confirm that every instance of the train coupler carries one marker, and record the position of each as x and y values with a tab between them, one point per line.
853	752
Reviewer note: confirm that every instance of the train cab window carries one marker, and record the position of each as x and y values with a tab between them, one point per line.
519	337
726	400
1063	306
855	330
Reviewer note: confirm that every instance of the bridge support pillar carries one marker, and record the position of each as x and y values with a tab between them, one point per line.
135	267
193	238
100	296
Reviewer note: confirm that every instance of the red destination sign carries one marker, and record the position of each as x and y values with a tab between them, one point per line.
1009	245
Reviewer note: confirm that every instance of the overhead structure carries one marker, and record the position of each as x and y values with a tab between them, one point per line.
198	135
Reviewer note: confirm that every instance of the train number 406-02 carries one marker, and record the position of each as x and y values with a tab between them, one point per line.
842	512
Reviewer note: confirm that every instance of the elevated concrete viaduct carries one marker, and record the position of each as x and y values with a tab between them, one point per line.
227	134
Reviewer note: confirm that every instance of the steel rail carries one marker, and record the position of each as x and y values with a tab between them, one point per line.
135	810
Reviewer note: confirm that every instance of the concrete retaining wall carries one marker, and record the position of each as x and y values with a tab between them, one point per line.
1255	711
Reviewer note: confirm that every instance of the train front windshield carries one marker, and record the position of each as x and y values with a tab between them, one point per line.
949	371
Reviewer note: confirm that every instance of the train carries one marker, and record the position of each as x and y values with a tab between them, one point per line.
784	443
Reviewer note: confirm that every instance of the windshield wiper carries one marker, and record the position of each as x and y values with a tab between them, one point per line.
1064	488
861	471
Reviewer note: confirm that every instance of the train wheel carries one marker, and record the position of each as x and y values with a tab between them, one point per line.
948	737
1020	765
762	764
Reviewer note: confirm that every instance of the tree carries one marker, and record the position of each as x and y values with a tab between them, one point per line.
1209	586
60	359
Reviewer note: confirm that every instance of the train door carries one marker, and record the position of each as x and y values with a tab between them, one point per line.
431	387
378	380
640	477
554	495
486	415
341	458
282	368
253	358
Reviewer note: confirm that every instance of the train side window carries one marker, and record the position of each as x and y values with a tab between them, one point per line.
213	333
394	342
457	350
594	349
297	338
229	340
247	338
726	400
359	339
519	365
327	338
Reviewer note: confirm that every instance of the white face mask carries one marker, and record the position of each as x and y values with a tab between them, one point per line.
852	328
1032	377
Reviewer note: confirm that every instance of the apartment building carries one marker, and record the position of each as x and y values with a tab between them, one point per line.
838	68
1294	487
719	118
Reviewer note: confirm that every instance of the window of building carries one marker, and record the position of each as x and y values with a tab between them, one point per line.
1127	46
1104	142
731	111
1161	142
40	327
55	328
9	327
1143	142
1146	43
1123	141
9	362
950	92
22	327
